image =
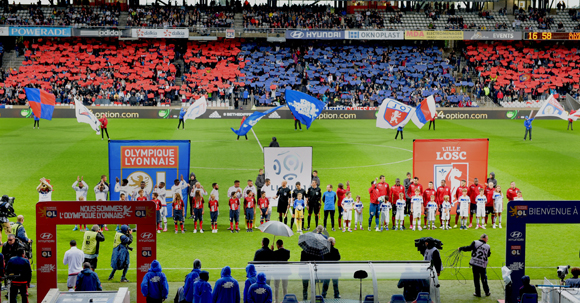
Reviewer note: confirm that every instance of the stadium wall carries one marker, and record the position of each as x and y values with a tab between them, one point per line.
172	113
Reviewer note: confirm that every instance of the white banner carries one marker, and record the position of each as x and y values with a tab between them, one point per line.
160	33
84	115
4	31
196	109
292	164
375	35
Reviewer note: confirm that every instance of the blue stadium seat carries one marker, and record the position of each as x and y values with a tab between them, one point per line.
398	299
319	299
290	298
423	297
369	299
529	298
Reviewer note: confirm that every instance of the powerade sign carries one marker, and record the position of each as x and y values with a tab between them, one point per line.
375	35
314	35
151	161
40	31
522	213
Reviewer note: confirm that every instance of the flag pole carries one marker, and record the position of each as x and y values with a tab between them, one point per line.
261	148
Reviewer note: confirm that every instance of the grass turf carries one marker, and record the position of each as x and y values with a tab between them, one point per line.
544	169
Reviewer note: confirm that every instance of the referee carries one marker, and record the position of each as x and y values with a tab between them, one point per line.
313	197
480	252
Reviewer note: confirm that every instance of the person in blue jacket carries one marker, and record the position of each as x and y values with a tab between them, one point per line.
202	289
181	115
260	292
154	286
226	289
528	125
87	280
251	279
329	200
120	258
190	279
399	130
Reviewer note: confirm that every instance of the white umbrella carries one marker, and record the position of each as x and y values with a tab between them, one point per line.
276	228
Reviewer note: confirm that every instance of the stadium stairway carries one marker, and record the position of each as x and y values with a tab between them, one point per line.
239	21
11	61
123	19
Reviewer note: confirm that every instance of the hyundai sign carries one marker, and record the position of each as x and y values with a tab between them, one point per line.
375	35
40	31
314	35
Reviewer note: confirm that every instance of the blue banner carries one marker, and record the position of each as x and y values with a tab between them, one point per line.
312	35
152	162
304	107
251	120
40	31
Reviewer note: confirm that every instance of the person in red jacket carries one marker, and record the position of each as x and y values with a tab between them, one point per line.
394	196
104	123
383	188
374	207
473	192
411	191
489	205
459	193
512	192
430	191
442	191
340	194
570	120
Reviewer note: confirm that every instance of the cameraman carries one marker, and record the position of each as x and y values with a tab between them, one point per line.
91	242
5	207
20	268
480	251
19	230
120	258
432	254
10	248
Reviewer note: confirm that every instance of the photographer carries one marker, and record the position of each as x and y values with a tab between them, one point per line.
19	268
6	210
432	254
120	258
480	251
91	242
21	236
11	246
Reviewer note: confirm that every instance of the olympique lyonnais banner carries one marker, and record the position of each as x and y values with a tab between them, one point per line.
152	161
160	33
49	214
451	160
291	164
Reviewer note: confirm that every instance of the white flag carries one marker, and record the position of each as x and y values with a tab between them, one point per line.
196	109
393	114
552	108
84	115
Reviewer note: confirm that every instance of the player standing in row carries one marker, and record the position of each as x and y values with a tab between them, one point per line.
250	210
347	207
459	194
142	186
250	186
473	192
123	189
430	191
416	204
313	197
480	201
299	205
497	206
263	204
295	192
385	210
234	204
445	212
411	192
178	207
384	191
329	199
81	189
197	188
394	195
235	189
464	203
442	191
158	207
512	192
213	205
283	195
489	190
198	211
374	205
358	213
400	216
161	196
340	194
431	212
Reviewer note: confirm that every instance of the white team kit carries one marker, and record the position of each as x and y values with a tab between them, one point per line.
480	201
123	190
101	195
445	210
358	214
44	196
162	196
81	191
464	202
347	206
385	209
416	203
401	203
497	202
431	210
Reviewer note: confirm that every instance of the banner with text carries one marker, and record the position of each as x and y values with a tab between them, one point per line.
375	35
312	35
291	164
151	162
451	160
40	31
182	33
487	35
433	35
101	32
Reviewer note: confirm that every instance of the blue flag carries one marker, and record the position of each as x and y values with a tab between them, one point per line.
251	120
304	107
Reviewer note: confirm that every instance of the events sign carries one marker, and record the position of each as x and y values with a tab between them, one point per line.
488	35
182	33
291	164
434	35
451	160
312	35
40	31
49	214
375	35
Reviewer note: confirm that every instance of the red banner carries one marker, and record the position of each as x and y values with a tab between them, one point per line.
451	160
51	214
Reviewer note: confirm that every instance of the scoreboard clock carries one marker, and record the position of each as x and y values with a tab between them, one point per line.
544	36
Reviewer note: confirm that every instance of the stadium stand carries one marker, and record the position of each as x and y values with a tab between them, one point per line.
97	71
206	17
74	15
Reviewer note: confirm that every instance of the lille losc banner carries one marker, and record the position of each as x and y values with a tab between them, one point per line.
451	160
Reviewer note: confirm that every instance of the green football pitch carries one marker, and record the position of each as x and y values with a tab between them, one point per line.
356	151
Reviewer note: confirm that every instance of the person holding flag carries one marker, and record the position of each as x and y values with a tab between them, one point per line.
528	124
573	116
104	123
394	115
305	108
41	102
246	134
84	115
37	122
424	112
399	131
250	121
196	109
181	122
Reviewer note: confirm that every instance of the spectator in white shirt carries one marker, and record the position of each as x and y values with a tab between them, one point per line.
81	188
215	192
123	189
101	191
74	258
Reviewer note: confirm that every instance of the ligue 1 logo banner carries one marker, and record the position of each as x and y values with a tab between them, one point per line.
451	160
152	162
290	164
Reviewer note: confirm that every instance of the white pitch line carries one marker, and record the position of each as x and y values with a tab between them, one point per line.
189	268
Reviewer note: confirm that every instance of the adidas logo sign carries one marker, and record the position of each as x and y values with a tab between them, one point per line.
214	115
274	115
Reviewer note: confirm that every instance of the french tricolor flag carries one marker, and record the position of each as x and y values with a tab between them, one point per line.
41	102
424	112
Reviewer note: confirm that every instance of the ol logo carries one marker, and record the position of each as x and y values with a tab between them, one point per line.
46	253
146	252
518	211
140	213
51	213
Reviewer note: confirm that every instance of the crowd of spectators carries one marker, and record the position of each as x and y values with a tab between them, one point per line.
77	16
167	17
534	14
